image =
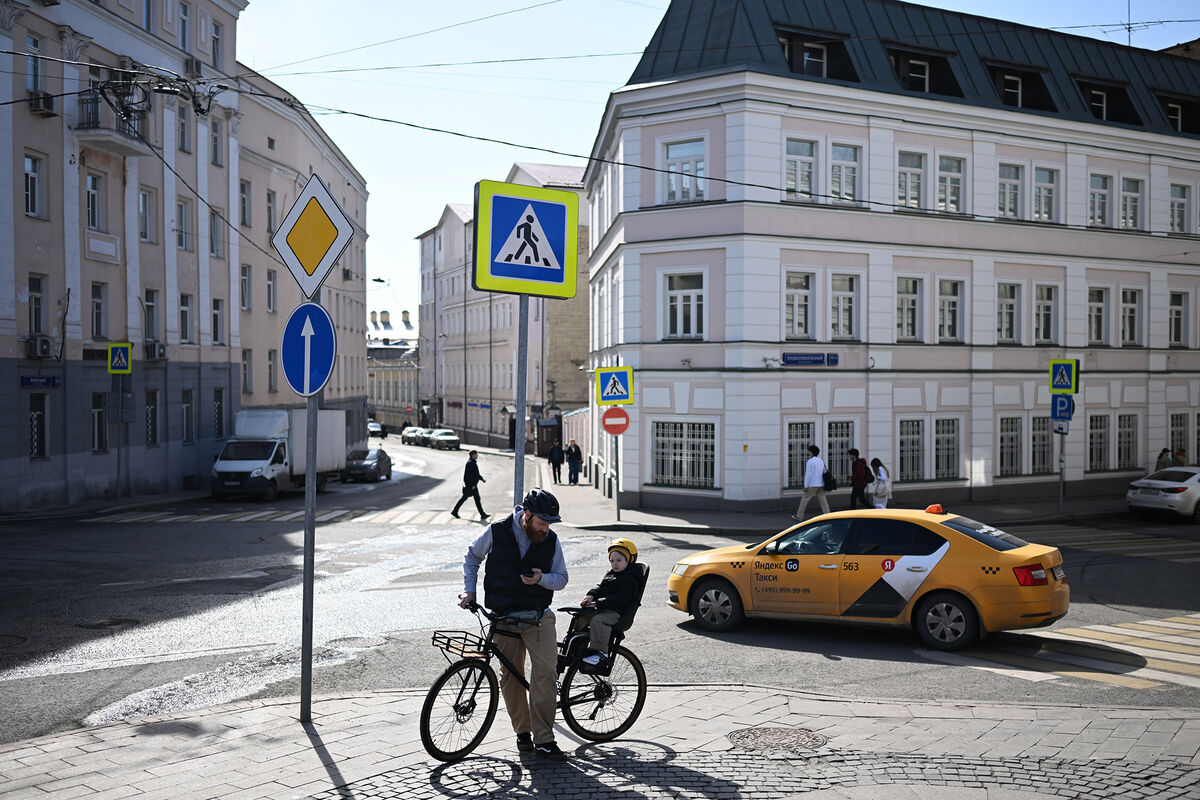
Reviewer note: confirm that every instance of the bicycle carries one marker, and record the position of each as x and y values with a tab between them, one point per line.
598	703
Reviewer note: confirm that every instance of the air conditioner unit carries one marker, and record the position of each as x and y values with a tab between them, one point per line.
192	67
42	104
347	274
161	351
37	347
150	350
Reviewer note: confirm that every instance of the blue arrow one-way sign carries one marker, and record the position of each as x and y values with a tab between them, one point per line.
308	349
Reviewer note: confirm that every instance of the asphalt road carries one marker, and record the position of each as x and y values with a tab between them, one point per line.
101	621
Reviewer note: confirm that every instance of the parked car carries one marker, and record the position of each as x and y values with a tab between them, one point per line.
374	429
367	465
422	436
1174	489
444	439
950	578
410	435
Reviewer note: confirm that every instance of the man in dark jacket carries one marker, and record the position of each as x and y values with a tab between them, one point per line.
574	461
523	568
471	481
858	480
555	457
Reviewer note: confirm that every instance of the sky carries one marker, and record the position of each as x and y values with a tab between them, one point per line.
381	57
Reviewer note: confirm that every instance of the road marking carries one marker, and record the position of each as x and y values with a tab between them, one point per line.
291	516
1038	664
248	517
1132	644
329	515
962	660
1158	627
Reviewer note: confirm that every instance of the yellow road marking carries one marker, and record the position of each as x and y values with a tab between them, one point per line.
1152	644
1039	665
1117	656
1150	626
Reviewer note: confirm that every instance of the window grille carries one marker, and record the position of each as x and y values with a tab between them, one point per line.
37	426
151	417
800	436
839	438
684	454
1010	447
912	450
1098	443
946	462
1041	446
1127	441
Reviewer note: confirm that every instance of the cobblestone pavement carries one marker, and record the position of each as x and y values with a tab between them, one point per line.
784	744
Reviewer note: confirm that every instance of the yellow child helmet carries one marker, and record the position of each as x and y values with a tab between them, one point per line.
626	547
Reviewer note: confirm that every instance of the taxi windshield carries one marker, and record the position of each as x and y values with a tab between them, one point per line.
990	535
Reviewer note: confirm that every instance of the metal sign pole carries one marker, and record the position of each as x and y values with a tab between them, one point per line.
617	473
310	518
1062	468
522	366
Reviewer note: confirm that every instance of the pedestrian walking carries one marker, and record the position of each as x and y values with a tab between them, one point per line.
1180	459
860	476
1164	459
523	567
471	481
555	457
814	483
881	487
574	462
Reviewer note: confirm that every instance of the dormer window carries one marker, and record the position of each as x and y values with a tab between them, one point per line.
1174	115
927	73
816	55
1183	114
918	75
1098	100
1021	88
1010	90
1109	103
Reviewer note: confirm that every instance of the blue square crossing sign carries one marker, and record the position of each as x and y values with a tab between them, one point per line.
614	386
526	240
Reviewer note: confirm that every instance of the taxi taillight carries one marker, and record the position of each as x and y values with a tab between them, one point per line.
1031	575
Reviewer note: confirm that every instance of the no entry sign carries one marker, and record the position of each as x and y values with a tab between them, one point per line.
615	420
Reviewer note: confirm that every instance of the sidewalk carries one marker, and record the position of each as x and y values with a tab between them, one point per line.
690	742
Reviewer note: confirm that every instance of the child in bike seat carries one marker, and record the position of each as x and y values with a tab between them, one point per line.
614	596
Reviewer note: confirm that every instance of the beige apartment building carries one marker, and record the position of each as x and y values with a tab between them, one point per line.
143	214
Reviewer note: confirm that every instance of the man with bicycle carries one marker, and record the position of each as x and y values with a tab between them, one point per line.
523	568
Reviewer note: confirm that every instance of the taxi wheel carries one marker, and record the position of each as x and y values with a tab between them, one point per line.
716	606
946	621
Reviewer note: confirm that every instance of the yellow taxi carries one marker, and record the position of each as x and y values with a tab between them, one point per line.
951	578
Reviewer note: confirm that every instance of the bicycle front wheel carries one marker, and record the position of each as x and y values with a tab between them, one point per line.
602	707
459	709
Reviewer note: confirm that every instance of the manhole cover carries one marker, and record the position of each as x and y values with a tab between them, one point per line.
357	642
100	624
9	640
776	739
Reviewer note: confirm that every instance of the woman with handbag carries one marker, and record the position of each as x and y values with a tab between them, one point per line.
881	487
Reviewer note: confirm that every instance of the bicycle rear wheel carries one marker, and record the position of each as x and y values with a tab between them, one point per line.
602	707
459	709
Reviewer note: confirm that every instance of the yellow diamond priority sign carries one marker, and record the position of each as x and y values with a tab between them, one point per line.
313	236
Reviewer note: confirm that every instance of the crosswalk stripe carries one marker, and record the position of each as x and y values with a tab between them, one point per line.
1144	647
330	515
368	516
1188	645
290	517
1192	622
257	515
392	517
177	518
1155	626
962	660
1153	670
1102	653
1026	662
424	517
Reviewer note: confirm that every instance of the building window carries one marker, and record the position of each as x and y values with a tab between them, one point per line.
270	211
93	200
216	45
1045	315
917	79
33	64
813	59
1131	204
844	291
148	15
244	203
183	225
684	454
1177	320
99	311
184	14
150	310
800	167
1178	432
908	180
1098	102
37	304
185	319
800	435
1012	91
214	147
839	438
37	426
33	186
218	320
1174	116
1041	446
1097	323
1127	441
145	215
184	136
1131	317
270	143
245	288
1098	442
950	188
152	417
99	422
950	311
908	309
247	371
946	461
685	306
1179	208
685	171
1045	182
843	173
187	414
1010	447
272	370
271	304
912	449
1008	301
219	412
797	300
215	228
1099	188
1008	201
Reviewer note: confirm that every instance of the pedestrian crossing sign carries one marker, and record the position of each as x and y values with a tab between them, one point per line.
1064	376
119	360
614	386
526	240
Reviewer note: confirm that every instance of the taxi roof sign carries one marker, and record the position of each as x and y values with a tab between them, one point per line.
526	240
313	236
120	360
614	386
1064	376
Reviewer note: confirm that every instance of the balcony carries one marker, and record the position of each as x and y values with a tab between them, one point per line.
99	127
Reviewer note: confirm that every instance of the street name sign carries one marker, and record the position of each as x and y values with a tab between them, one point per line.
526	240
120	361
615	420
1064	376
308	349
614	386
313	236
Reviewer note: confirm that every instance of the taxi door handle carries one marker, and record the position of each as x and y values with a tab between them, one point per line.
916	569
827	566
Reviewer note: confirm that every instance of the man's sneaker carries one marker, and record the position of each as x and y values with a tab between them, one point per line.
593	659
455	515
484	517
525	742
549	750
